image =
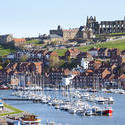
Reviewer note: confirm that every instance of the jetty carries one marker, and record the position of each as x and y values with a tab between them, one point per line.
22	99
17	99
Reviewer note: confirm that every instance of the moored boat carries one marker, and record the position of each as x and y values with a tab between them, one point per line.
30	119
107	111
3	87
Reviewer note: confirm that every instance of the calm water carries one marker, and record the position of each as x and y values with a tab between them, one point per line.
49	113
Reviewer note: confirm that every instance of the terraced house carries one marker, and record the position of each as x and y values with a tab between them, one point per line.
24	73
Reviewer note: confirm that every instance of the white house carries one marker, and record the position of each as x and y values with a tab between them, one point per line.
67	80
84	63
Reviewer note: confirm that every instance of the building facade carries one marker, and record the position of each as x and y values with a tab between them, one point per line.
117	26
4	39
73	33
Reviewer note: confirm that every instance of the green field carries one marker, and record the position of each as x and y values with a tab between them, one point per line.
120	44
61	52
33	42
5	50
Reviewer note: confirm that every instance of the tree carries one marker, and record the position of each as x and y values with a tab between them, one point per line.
61	63
23	58
6	63
69	60
54	61
53	43
1	67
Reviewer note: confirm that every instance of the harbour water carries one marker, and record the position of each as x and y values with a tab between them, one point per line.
49	113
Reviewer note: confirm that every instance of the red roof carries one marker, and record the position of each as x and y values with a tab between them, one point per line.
89	70
53	53
122	76
19	40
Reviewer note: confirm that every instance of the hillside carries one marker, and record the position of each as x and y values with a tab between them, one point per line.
5	50
33	42
120	44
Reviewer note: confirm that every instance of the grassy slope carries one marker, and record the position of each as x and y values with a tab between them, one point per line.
15	111
5	50
61	52
120	44
34	42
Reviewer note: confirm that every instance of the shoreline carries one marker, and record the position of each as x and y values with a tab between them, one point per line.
10	111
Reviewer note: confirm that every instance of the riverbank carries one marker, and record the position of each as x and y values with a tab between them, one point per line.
10	114
9	110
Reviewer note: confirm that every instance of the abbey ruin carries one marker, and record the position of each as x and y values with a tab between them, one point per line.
117	26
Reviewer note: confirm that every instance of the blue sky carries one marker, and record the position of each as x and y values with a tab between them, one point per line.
30	17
